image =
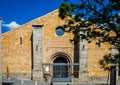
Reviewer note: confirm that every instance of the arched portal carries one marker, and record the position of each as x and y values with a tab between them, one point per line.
60	68
60	60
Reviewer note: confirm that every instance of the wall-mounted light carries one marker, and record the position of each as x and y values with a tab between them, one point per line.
47	69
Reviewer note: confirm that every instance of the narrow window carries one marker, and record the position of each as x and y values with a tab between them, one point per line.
36	47
99	43
83	47
21	40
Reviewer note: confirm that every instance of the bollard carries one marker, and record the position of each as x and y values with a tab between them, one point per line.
8	79
36	83
22	82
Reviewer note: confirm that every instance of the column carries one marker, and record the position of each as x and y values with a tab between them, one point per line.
37	52
83	59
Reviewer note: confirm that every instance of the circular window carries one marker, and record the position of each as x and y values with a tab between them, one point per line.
60	31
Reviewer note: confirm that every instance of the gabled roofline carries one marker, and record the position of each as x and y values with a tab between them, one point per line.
31	21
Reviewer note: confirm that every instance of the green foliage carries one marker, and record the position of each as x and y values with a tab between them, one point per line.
109	60
105	14
64	10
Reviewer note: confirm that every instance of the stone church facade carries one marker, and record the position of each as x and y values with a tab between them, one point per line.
40	50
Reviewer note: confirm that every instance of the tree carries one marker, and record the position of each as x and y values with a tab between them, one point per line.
102	15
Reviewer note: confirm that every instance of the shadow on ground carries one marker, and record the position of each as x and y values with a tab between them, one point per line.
101	84
7	83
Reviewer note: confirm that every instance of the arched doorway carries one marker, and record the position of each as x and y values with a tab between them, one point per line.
60	68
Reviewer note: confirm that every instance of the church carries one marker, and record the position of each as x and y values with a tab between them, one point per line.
41	50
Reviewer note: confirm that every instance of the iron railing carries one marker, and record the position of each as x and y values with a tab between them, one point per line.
61	70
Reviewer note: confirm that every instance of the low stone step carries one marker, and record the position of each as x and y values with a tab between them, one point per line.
60	83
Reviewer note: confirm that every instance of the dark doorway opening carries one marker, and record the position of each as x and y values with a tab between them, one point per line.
60	69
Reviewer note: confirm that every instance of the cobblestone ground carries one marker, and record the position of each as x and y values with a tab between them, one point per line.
29	82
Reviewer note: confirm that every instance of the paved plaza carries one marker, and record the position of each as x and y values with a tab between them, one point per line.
29	82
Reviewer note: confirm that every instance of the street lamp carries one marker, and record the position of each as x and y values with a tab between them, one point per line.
0	52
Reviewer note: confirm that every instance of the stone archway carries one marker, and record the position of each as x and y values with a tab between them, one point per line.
61	54
60	70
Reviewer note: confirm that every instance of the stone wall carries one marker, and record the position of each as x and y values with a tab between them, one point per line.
17	50
17	53
95	54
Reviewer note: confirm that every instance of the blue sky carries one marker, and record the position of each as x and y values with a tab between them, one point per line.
17	12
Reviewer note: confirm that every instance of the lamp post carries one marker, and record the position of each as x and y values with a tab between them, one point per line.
113	74
0	52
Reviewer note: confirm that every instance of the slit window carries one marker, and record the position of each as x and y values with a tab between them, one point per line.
36	47
99	43
20	40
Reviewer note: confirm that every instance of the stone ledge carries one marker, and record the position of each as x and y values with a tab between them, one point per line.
18	75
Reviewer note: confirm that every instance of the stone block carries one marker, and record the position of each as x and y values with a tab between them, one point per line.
38	75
